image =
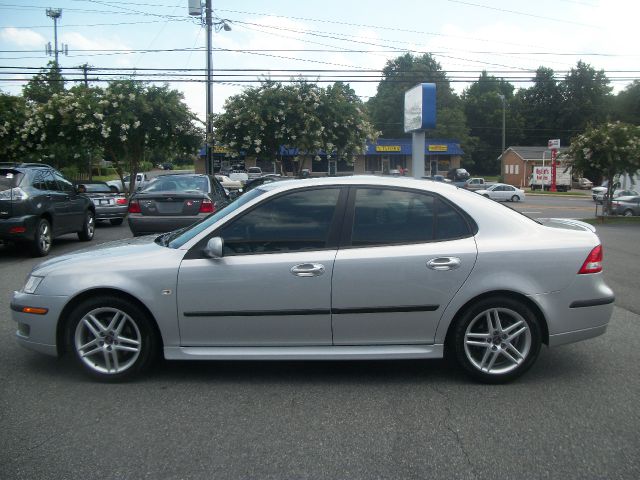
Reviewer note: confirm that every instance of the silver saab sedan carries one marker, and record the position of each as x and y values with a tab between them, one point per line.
333	269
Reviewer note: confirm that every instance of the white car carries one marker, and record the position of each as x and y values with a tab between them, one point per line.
228	183
254	172
618	192
141	179
502	192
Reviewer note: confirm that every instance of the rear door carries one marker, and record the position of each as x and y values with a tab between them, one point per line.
70	206
404	257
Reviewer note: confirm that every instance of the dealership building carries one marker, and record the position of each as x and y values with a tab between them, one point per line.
382	157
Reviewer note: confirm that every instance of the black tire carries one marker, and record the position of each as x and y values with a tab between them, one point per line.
515	198
487	352
41	243
116	221
486	196
628	213
111	338
88	227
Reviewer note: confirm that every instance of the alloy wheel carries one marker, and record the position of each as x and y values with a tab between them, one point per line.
108	340
497	341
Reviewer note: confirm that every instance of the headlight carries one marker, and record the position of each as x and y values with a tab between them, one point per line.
32	284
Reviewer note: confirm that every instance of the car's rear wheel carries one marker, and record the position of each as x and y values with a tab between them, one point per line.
515	198
628	213
88	227
116	221
497	340
112	339
41	243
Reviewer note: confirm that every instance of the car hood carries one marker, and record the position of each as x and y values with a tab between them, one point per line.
109	252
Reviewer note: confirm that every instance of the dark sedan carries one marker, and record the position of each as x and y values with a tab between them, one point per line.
174	201
109	205
627	206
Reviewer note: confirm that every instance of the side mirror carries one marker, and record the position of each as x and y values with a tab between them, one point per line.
214	248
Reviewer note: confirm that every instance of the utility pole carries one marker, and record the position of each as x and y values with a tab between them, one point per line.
504	110
195	9
209	160
85	68
56	13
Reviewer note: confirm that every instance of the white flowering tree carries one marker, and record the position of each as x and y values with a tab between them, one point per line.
123	123
612	149
300	115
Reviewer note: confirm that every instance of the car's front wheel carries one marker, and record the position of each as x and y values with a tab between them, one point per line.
515	198
628	213
497	339
88	227
112	339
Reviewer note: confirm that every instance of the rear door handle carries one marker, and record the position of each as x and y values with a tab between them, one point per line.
308	270
443	263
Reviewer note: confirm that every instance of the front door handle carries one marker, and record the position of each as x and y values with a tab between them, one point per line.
443	263
308	270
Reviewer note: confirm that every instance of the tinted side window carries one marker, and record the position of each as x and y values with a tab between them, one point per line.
292	222
450	223
65	185
39	180
392	216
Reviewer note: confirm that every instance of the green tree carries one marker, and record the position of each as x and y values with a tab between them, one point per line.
586	99
627	104
300	115
12	117
386	108
612	149
44	84
539	106
483	106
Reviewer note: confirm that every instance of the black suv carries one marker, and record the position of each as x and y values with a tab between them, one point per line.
37	204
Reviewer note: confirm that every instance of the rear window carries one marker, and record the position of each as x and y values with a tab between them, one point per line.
10	179
255	170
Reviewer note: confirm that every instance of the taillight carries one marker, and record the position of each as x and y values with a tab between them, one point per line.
593	263
121	201
134	207
207	206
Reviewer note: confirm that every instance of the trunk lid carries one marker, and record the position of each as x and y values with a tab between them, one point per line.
170	203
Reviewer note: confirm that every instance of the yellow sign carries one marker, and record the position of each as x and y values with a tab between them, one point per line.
437	148
388	148
219	149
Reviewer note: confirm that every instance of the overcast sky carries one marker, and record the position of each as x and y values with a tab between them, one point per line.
506	38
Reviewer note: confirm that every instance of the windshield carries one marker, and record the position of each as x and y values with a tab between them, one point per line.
178	238
177	183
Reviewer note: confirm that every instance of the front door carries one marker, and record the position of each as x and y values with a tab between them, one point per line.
272	287
408	255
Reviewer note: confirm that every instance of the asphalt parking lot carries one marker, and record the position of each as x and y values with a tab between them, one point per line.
574	415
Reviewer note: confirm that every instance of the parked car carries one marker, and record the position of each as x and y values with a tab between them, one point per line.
169	202
306	270
502	192
118	186
602	196
167	166
582	183
256	182
38	204
595	191
253	172
627	206
239	176
228	183
109	205
475	184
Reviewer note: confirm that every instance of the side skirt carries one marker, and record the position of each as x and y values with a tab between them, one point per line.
369	352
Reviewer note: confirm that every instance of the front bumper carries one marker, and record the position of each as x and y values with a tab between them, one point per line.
37	332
